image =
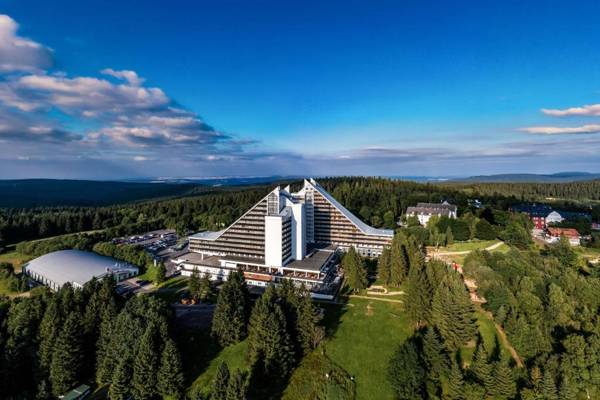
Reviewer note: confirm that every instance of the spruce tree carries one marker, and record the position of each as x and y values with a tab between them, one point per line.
170	374
481	368
270	348
105	364
231	313
120	381
384	266
220	383
307	328
48	332
145	366
194	285
238	386
206	291
566	390
434	354
406	373
398	260
456	383
161	273
354	270
418	294
449	236
452	311
549	386
504	384
67	356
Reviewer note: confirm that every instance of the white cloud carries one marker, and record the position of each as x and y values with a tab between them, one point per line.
18	53
130	76
591	110
558	130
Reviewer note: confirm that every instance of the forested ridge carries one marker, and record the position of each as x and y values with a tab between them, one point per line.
378	201
587	190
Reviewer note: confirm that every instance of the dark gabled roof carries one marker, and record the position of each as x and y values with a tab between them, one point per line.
444	208
533	210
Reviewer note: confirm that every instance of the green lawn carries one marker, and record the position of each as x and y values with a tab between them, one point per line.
234	356
362	337
15	258
468	246
489	336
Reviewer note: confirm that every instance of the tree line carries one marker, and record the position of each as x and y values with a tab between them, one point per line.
280	327
52	341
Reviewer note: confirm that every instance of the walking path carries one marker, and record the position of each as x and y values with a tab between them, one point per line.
465	252
504	340
358	296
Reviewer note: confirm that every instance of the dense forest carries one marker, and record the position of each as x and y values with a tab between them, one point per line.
587	190
49	342
378	201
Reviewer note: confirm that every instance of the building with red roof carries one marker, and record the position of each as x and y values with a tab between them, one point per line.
553	235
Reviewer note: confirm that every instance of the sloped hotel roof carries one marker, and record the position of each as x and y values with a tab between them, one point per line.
366	229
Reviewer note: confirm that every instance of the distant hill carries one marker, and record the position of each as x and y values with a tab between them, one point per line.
29	193
533	178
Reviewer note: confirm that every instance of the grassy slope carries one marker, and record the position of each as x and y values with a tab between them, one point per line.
468	246
366	336
16	259
234	356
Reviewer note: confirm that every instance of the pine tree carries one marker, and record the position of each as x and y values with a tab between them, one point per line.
307	328
104	361
194	285
270	348
455	383
49	328
419	293
231	313
398	260
206	292
384	266
220	383
67	356
481	368
354	270
161	273
449	236
504	384
238	386
434	355
145	366
452	312
170	373
406	373
566	391
120	381
549	386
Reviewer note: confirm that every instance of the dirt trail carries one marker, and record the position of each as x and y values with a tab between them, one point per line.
504	339
464	252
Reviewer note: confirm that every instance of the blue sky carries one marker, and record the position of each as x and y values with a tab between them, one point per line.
103	89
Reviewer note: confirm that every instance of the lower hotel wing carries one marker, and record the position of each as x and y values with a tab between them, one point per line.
286	236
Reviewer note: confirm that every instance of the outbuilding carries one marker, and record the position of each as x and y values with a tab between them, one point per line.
76	267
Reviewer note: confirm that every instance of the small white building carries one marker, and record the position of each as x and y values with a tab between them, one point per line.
553	235
554	218
424	211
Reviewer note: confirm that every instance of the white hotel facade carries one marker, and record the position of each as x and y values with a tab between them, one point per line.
285	236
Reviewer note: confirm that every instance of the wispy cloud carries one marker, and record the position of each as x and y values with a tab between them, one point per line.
558	130
592	110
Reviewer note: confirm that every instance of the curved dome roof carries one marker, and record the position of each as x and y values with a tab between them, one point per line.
75	266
